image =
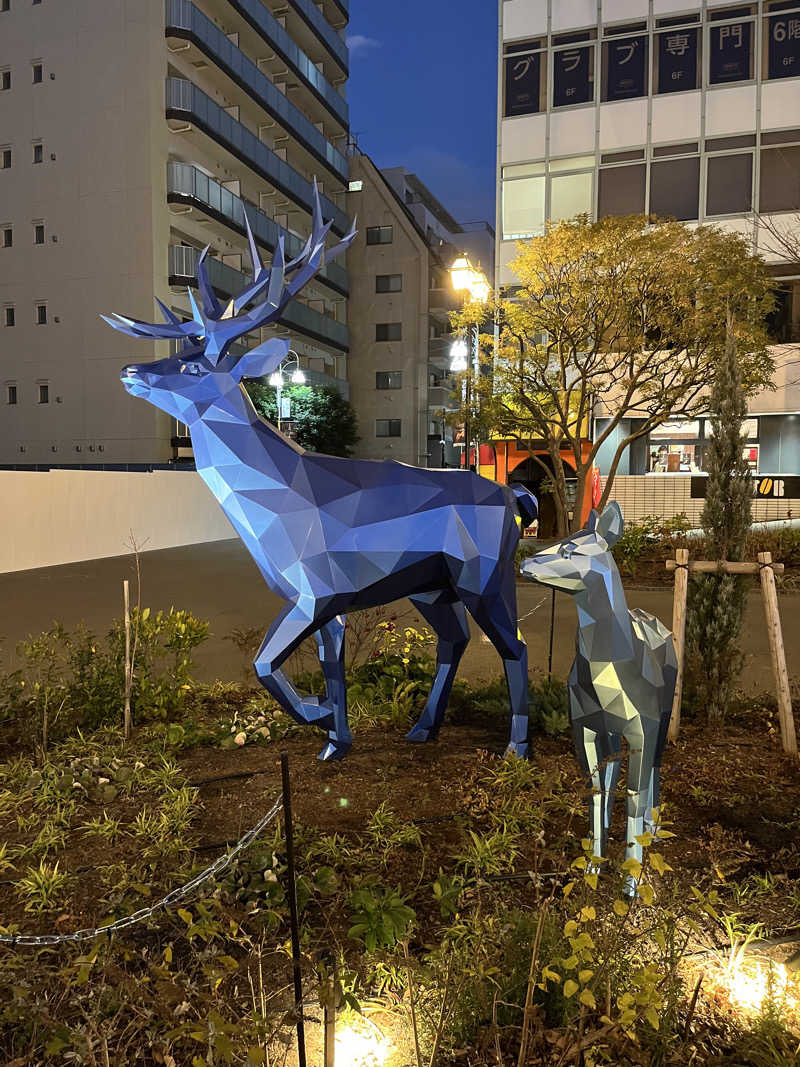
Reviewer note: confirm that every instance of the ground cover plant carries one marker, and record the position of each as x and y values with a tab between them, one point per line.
447	900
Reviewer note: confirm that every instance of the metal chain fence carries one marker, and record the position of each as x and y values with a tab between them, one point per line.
220	864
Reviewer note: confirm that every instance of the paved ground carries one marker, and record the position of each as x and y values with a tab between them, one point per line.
219	582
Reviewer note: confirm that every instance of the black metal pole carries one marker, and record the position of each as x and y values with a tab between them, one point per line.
552	627
293	918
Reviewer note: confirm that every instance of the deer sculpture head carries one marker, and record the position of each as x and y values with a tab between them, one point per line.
582	558
204	371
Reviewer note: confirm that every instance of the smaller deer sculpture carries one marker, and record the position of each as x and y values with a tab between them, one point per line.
622	682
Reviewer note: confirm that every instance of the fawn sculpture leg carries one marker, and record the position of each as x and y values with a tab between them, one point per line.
642	737
330	639
291	628
446	615
497	617
595	750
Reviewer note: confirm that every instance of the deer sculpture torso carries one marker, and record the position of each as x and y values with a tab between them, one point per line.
622	682
334	535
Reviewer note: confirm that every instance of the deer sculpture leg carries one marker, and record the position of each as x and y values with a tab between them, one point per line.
446	615
497	617
597	753
289	630
330	639
642	737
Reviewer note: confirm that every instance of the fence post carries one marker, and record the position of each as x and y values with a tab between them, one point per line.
126	711
293	918
679	634
788	736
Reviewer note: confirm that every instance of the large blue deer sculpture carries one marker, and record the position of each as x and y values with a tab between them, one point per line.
333	535
622	681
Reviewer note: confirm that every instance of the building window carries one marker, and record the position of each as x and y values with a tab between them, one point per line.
730	46
44	393
5	79
388	427
622	190
5	159
5	5
675	188
38	73
523	201
41	314
11	393
780	179
571	195
388	283
729	184
389	331
573	69
38	233
524	77
8	237
388	379
10	317
379	235
783	40
625	66
678	58
38	152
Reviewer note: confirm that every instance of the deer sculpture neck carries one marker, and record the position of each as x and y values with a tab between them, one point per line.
603	598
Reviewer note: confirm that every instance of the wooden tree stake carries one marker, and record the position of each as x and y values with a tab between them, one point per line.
126	714
788	736
679	634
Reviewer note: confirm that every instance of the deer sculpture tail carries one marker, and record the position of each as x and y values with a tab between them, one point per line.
527	504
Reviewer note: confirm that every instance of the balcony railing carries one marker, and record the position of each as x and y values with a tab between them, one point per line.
264	23
186	21
323	31
185	101
442	396
187	184
228	281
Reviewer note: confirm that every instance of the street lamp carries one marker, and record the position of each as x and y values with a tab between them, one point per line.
276	379
471	280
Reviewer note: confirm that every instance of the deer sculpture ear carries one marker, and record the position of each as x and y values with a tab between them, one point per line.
611	524
261	361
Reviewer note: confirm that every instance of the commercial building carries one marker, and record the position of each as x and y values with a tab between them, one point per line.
132	135
679	109
401	297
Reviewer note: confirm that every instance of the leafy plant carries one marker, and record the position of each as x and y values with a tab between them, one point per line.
382	917
41	887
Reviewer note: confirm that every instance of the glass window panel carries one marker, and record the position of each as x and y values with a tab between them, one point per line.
570	195
523	170
731	52
675	188
678	55
391	379
688	149
625	68
780	179
573	76
783	36
622	191
573	163
729	188
523	208
523	84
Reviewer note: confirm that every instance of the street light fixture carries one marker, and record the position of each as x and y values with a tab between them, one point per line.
472	280
276	379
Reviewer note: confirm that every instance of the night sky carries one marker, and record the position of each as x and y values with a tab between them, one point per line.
422	92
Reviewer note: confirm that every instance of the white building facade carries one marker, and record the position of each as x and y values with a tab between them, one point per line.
677	109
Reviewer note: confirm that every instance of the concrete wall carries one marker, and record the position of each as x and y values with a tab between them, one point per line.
667	495
54	517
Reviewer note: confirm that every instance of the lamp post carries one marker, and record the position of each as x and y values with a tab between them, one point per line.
468	279
276	378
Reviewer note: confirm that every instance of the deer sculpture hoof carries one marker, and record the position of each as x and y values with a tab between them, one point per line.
334	750
419	735
519	749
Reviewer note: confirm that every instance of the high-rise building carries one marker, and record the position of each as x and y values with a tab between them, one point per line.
401	299
132	135
672	108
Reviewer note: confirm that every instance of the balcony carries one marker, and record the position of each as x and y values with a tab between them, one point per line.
227	281
323	31
188	185
444	300
185	101
185	21
267	26
442	396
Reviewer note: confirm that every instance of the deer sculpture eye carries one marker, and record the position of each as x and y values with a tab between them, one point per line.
190	368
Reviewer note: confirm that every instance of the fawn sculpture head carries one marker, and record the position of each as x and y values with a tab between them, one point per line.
578	559
204	372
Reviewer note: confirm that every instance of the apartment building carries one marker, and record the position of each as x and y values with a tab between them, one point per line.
680	109
401	298
132	135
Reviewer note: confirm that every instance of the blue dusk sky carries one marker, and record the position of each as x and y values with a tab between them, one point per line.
423	91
